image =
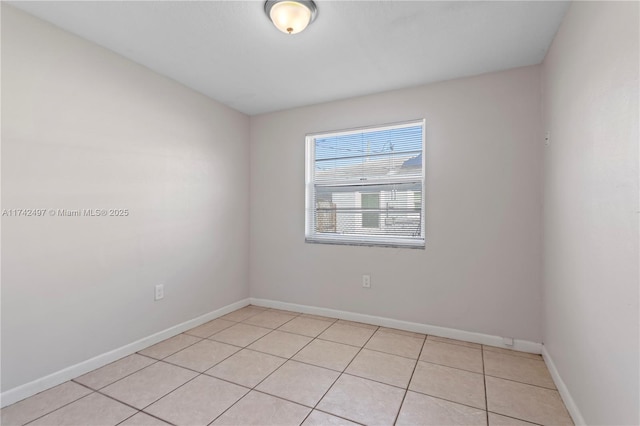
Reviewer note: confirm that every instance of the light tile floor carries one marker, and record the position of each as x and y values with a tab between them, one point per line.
258	366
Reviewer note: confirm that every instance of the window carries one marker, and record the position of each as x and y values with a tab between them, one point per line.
365	186
370	210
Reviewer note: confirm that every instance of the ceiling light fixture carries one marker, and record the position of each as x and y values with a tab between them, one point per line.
291	16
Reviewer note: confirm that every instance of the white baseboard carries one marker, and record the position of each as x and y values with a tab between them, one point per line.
28	389
24	391
451	333
578	420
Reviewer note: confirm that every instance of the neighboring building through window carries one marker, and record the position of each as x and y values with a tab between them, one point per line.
370	210
365	186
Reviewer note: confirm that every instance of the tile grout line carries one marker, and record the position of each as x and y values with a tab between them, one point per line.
358	353
406	391
151	403
209	368
147	414
62	406
454	342
287	359
164	395
517	354
313	365
291	359
316	366
122	421
440	398
515	418
360	377
348	344
448	366
493	351
98	391
241	349
342	373
331	414
254	387
376	381
155	361
331	322
364	378
490	375
91	389
185	383
391	353
271	330
484	381
173	353
500	414
268	375
300	334
523	383
215	332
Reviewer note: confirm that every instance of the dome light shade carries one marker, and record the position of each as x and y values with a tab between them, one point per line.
291	16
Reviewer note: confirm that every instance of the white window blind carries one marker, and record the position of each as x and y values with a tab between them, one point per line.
365	186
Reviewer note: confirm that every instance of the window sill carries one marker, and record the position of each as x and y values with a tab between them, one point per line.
414	244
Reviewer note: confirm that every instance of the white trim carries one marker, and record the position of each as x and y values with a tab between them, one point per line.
368	128
374	181
451	333
367	240
24	391
311	234
309	192
571	405
28	389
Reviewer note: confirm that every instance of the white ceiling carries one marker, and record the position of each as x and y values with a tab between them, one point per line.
230	51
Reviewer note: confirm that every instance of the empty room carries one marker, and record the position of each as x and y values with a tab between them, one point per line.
296	212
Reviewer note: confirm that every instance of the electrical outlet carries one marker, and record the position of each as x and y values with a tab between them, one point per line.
366	281
508	341
159	292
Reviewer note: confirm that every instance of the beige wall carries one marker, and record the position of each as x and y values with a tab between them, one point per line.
481	270
591	323
85	128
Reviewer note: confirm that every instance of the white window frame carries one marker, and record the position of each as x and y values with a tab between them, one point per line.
361	240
